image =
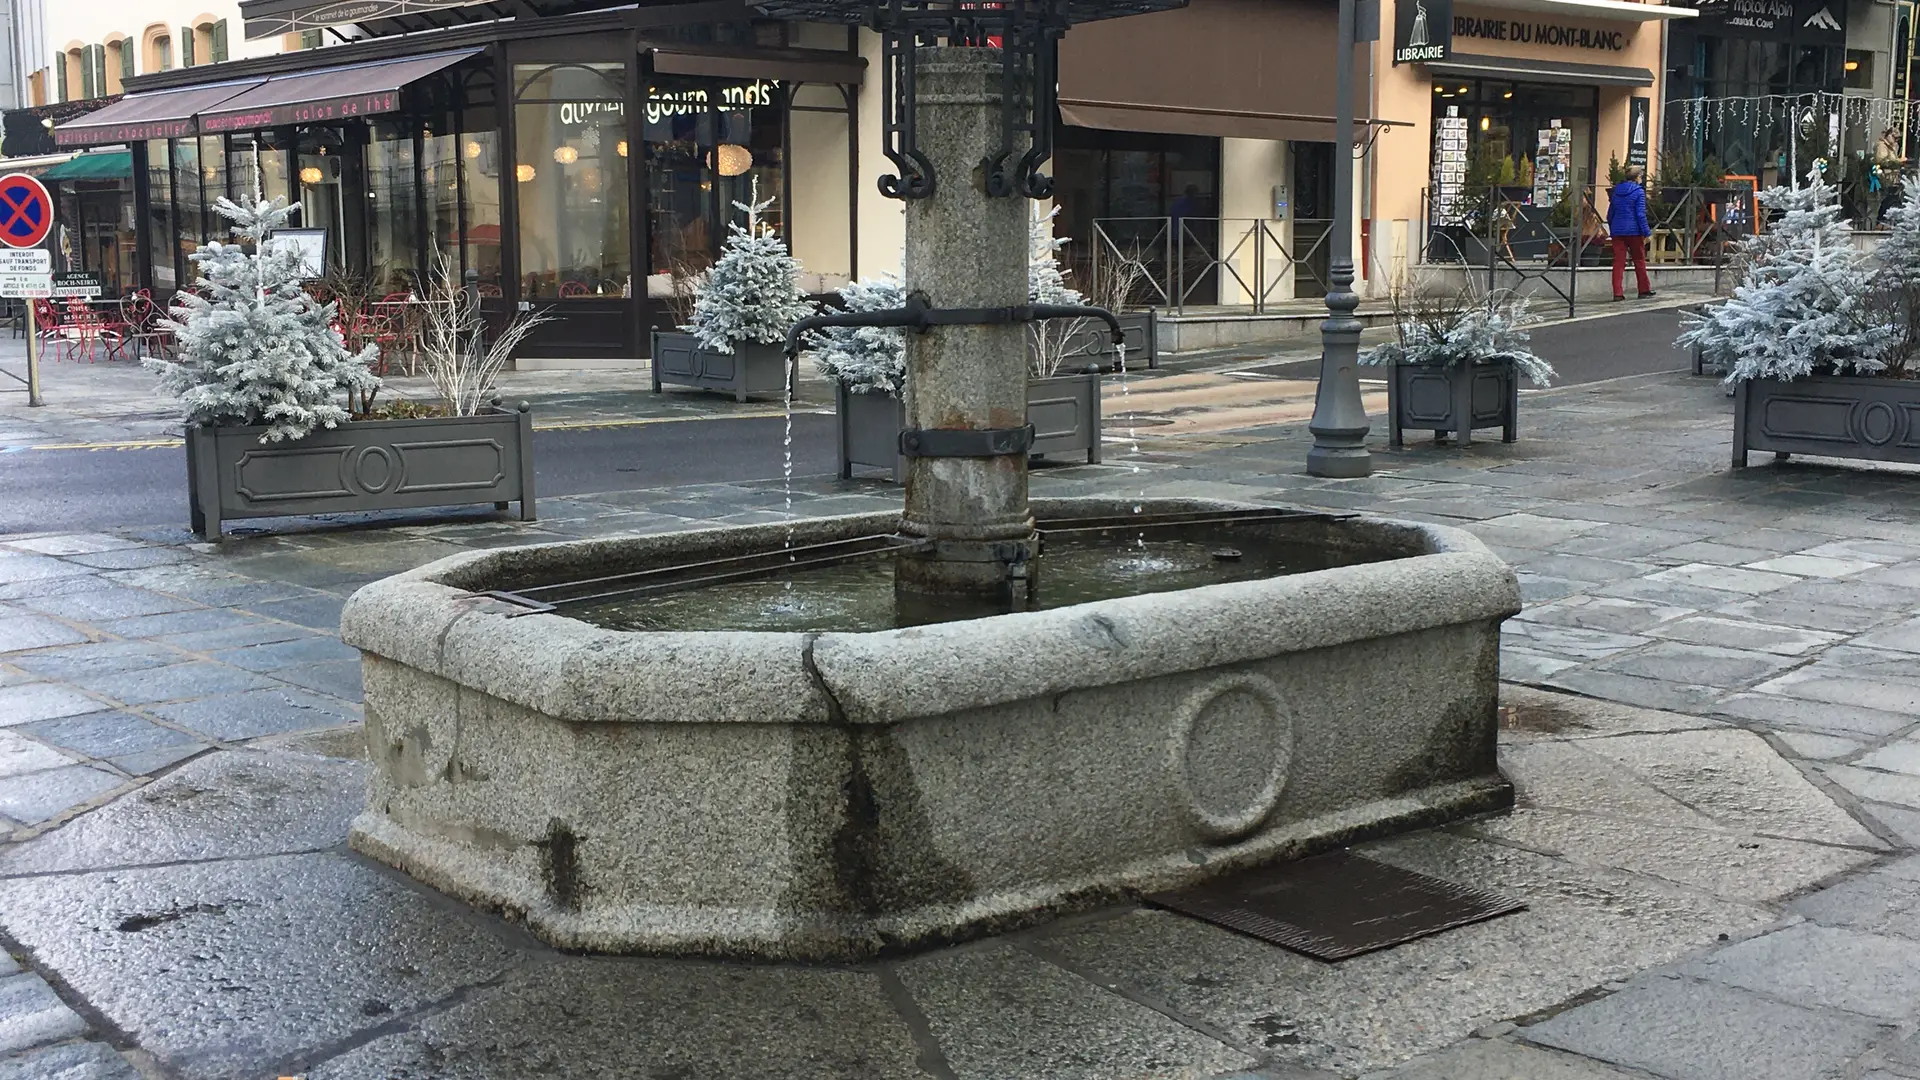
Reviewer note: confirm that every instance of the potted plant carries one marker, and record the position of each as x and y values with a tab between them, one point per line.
1816	339
279	414
742	308
868	367
1456	363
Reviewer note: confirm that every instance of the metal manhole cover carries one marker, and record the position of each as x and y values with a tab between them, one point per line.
1336	906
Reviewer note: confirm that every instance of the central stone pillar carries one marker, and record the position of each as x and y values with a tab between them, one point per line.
965	250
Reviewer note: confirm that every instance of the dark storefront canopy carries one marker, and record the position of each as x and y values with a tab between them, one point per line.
160	114
271	18
1132	75
1513	69
325	95
787	65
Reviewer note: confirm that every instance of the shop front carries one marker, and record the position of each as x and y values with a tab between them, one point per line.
574	163
1535	98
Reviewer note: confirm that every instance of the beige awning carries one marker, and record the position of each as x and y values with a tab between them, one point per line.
1249	69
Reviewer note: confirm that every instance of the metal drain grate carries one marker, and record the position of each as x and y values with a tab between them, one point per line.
1336	906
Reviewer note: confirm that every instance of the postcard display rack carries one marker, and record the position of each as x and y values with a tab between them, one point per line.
1449	167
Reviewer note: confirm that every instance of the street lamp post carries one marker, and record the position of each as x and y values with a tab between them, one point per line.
1339	423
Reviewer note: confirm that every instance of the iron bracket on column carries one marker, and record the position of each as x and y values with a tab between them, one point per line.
966	442
919	316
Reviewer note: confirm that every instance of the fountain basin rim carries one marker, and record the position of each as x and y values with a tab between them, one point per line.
435	619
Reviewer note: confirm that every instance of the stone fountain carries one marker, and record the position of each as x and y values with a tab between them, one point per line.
836	794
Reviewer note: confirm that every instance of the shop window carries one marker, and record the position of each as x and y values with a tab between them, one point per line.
570	173
393	256
1140	195
708	143
319	165
160	222
257	162
480	175
189	208
213	185
1859	69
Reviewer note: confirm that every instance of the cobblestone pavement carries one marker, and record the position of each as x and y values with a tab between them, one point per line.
1718	889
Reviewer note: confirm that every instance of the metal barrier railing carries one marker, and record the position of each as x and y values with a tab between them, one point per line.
1230	262
1505	230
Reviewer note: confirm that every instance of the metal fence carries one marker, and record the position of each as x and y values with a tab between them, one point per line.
1172	262
1505	230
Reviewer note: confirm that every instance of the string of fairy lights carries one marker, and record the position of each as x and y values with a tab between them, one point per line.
1862	121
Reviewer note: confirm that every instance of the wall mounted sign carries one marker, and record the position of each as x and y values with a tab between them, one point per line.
1809	22
1422	31
272	18
311	244
1639	120
1527	32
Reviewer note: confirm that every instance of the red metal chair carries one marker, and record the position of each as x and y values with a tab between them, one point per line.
489	289
574	288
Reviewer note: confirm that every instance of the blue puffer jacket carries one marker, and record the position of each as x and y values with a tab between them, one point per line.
1627	210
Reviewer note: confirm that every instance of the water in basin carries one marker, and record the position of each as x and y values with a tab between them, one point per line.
859	595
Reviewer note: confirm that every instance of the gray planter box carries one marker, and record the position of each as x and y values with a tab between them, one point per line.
1093	344
1843	416
680	360
1064	412
361	466
1438	399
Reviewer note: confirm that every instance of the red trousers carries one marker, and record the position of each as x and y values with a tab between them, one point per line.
1637	246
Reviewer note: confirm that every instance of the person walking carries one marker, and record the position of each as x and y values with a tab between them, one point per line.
1627	221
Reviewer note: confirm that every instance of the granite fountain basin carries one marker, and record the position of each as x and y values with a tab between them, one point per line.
832	796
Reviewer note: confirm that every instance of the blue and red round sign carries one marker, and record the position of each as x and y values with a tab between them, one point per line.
26	211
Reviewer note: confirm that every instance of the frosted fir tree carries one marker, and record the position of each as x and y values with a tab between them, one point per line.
751	294
253	347
865	359
1897	277
1047	284
1460	330
1805	302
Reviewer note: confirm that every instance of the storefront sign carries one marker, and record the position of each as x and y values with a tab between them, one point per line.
127	133
1422	31
1808	22
1639	120
304	112
665	103
85	284
1540	33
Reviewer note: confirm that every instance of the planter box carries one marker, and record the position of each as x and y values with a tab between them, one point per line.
1438	399
361	466
1064	412
1094	345
680	360
1862	417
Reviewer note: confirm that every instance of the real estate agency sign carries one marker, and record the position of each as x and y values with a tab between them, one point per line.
1422	31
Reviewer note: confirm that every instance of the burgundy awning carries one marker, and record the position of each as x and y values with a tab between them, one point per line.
325	94
161	114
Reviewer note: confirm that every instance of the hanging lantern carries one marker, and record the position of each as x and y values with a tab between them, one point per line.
566	155
523	173
621	148
310	175
730	159
474	149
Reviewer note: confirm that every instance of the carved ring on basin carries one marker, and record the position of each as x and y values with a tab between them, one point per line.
841	795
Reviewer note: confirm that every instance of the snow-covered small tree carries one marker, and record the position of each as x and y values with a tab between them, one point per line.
752	292
865	359
1454	331
1047	284
1805	301
1897	278
253	347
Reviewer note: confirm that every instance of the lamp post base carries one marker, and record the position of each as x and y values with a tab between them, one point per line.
1339	463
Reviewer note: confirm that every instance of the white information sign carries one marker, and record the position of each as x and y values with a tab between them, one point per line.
25	261
25	286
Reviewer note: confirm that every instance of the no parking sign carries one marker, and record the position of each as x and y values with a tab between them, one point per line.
26	211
